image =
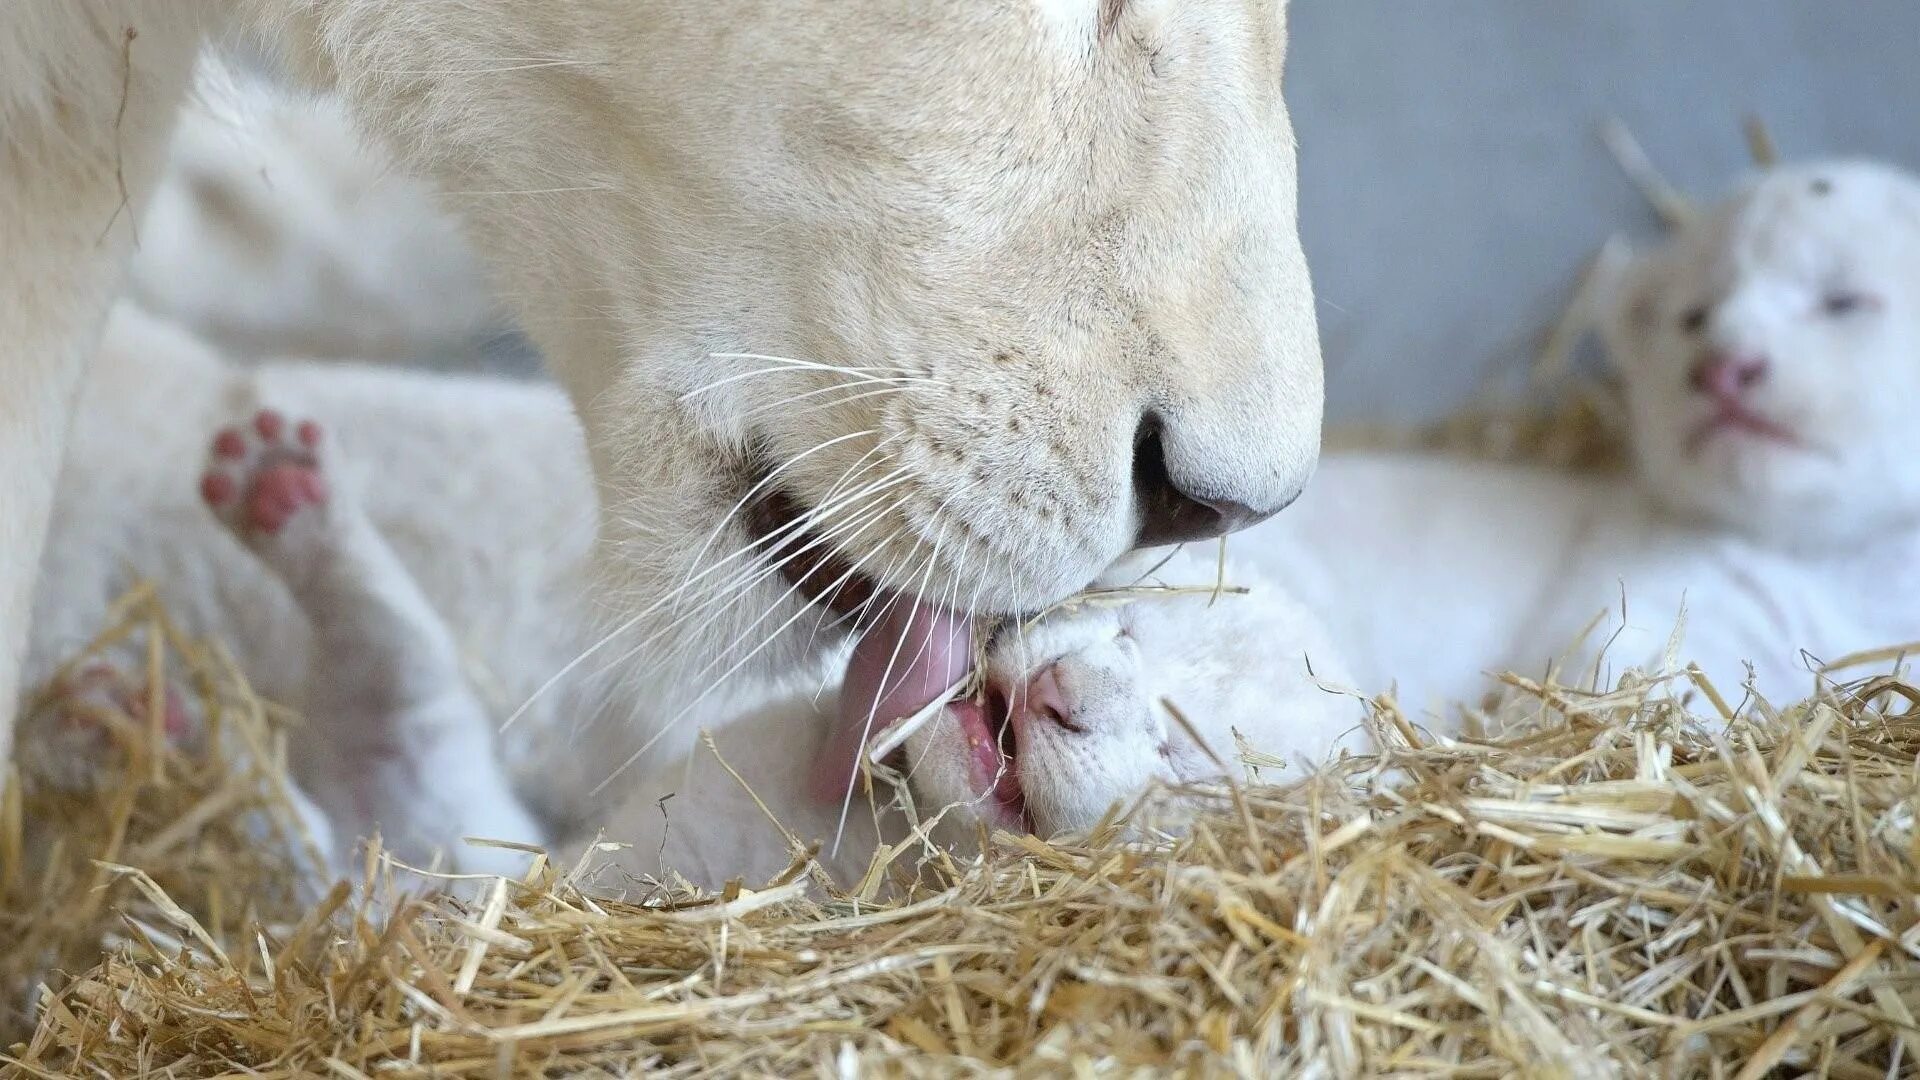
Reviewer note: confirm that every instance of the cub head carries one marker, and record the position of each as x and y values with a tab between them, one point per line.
1093	703
1078	710
950	303
1771	356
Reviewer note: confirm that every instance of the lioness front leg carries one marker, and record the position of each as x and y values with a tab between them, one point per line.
87	96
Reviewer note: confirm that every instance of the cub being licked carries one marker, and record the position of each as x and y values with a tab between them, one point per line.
306	513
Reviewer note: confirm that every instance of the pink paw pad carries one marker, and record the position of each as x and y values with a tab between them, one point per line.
105	684
97	709
260	476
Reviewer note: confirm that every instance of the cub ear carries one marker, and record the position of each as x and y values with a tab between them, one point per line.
1619	301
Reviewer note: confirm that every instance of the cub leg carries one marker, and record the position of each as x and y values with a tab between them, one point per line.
401	744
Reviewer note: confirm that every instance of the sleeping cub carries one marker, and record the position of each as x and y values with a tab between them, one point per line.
1770	355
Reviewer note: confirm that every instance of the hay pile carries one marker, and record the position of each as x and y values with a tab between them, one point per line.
1629	882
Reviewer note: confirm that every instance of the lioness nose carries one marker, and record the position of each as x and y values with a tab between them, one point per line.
1172	515
1727	375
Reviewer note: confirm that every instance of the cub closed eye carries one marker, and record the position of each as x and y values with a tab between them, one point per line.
1840	304
1694	319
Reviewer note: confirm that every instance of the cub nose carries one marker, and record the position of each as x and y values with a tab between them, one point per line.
1171	515
1727	375
1042	698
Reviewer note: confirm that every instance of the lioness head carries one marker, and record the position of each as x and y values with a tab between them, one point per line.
938	304
1771	356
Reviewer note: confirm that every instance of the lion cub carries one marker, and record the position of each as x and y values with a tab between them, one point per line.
1770	355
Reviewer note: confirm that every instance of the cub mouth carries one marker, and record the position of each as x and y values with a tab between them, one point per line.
993	761
1739	421
1003	781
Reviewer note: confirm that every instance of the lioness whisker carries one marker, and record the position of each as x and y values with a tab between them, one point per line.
939	521
838	402
857	376
645	613
973	602
761	485
652	740
744	585
862	380
795	361
802	525
729	592
799	526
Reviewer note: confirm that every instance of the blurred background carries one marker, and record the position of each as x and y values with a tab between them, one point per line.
1453	183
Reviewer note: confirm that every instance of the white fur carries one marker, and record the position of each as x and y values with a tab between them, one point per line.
1038	236
84	111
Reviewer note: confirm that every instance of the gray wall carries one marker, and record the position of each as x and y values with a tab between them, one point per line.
1453	182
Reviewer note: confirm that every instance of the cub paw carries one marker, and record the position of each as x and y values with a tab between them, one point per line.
264	477
84	734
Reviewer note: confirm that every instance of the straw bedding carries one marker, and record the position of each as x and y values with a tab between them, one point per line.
1645	880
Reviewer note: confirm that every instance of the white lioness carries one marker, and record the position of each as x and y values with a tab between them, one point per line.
1030	267
1771	359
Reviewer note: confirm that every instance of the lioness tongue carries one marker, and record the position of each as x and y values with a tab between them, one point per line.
911	655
